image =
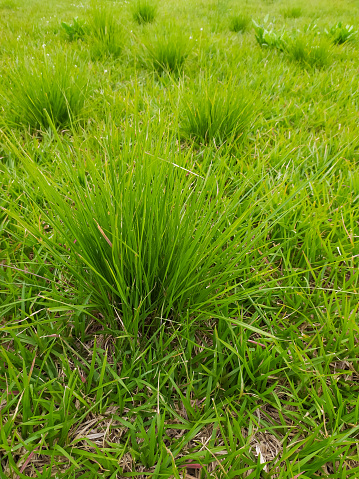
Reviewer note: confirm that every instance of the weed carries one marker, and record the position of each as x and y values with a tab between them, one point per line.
341	34
269	38
76	30
239	23
144	12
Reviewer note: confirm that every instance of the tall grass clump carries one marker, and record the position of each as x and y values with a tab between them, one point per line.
216	113
144	12
167	52
239	23
309	52
106	32
46	91
292	12
147	237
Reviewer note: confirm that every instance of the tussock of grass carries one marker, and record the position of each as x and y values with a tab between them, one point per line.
50	90
167	52
106	32
216	112
239	23
144	11
292	12
309	52
149	239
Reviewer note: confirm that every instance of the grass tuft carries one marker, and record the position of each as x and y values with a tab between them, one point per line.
216	113
292	12
144	12
309	52
239	23
167	52
46	91
148	239
106	32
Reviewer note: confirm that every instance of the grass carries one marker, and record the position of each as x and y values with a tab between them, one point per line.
217	113
179	242
144	12
106	32
45	90
166	52
292	12
312	53
239	23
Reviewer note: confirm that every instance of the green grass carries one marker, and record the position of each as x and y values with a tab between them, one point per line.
179	241
45	90
217	112
239	23
106	32
310	52
292	12
166	51
144	12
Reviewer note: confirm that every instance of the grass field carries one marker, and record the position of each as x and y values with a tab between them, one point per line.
179	239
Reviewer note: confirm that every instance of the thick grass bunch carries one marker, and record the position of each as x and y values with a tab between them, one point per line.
239	23
147	237
46	91
292	12
144	12
312	52
106	32
166	52
216	113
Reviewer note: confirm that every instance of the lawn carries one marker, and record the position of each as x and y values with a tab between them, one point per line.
179	239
